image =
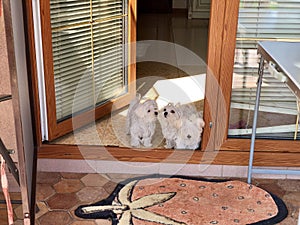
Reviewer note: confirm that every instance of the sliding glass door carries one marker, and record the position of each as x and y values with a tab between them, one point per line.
86	60
245	23
262	20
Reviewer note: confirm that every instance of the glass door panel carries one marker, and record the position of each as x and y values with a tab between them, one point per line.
86	61
261	20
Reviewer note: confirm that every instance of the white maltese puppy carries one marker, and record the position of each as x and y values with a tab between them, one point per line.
181	126
189	134
169	119
141	121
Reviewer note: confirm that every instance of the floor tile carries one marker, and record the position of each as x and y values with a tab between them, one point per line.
62	201
19	212
48	178
43	191
293	198
103	222
68	186
55	217
72	175
94	179
291	185
84	223
272	186
92	194
110	186
42	208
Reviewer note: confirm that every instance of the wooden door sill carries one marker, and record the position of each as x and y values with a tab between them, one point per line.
237	158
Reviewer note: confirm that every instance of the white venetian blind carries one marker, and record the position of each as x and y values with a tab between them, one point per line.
264	20
88	38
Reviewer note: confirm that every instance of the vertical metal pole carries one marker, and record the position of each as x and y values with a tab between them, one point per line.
297	119
256	108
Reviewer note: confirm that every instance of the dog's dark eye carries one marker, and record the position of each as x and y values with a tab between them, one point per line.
149	110
172	111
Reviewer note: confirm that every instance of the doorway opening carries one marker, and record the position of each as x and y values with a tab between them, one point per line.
162	22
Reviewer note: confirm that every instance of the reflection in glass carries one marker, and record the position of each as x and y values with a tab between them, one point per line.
263	20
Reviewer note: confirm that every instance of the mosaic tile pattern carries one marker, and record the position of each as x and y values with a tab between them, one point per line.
59	194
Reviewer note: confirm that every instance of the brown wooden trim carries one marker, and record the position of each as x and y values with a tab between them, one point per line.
32	67
132	26
215	38
239	158
233	144
48	67
226	70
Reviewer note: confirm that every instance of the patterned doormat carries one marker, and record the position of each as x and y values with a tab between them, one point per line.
180	200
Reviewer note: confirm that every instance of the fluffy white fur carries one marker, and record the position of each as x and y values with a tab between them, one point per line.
189	134
141	121
181	126
169	118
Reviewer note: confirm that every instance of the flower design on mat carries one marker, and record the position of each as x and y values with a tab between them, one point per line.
137	208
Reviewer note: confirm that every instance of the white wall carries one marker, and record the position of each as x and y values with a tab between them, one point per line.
180	4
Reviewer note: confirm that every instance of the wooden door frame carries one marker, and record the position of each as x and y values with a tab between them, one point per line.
215	40
220	57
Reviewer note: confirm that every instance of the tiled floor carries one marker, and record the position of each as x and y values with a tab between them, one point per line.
58	194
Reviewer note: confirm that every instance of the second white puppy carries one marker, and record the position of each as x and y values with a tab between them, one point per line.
141	121
189	134
181	126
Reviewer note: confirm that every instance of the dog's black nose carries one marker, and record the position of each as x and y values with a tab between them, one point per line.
165	114
156	113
